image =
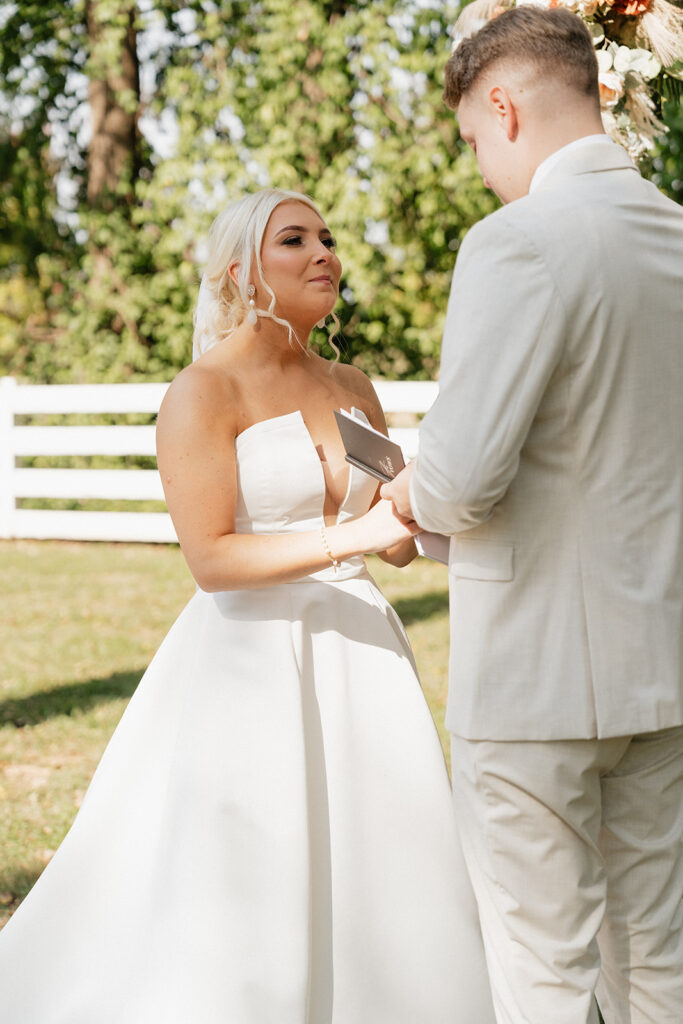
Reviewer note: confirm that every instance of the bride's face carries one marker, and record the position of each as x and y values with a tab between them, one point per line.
300	265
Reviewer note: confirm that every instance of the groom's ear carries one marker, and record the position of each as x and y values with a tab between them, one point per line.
504	111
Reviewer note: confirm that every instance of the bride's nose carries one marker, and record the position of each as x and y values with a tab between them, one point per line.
322	255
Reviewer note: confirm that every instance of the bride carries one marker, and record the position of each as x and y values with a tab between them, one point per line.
268	838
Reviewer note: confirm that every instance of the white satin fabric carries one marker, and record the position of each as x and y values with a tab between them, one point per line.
269	837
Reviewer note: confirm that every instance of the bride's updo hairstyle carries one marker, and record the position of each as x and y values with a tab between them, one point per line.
236	235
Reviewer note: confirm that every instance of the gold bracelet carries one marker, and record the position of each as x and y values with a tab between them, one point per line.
326	548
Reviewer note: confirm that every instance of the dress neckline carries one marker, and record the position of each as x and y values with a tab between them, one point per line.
297	414
298	417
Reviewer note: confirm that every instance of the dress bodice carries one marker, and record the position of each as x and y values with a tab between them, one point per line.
281	484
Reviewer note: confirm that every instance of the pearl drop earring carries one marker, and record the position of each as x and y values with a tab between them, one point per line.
321	323
252	317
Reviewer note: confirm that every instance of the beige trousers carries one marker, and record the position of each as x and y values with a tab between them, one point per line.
575	850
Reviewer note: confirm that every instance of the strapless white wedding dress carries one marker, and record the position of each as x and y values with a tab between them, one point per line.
268	838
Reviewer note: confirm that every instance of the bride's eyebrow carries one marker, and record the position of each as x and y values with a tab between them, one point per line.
298	227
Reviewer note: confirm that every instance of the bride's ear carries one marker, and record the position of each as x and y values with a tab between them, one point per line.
233	271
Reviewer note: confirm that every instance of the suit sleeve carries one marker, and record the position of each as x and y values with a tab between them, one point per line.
504	336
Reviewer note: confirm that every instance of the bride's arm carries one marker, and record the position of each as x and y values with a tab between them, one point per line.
196	456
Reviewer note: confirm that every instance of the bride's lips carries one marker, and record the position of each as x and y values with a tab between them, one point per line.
323	277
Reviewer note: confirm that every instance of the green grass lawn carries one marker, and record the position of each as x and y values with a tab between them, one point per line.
78	625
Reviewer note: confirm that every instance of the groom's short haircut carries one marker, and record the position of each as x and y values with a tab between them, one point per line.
554	42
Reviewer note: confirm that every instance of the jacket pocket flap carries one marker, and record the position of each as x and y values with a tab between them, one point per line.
481	560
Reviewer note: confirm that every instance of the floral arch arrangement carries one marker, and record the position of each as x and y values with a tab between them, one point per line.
639	47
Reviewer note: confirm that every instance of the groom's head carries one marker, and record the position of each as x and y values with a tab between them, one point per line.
523	86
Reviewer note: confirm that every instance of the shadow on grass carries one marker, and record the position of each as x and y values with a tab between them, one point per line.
15	884
416	609
79	697
66	700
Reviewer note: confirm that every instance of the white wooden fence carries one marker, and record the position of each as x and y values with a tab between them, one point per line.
18	440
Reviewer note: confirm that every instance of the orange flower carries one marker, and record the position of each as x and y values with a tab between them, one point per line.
611	88
631	8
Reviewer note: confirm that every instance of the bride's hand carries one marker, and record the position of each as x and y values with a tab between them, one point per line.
381	527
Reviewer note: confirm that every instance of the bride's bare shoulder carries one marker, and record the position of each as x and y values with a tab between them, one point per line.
200	397
361	388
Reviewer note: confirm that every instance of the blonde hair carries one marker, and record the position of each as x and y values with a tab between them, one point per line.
236	235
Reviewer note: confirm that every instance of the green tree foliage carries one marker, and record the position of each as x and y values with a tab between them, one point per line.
667	164
340	100
40	45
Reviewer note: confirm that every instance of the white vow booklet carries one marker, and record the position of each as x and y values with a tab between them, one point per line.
373	452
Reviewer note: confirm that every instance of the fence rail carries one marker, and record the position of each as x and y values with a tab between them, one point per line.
18	440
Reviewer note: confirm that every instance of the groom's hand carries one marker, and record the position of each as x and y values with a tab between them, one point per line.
398	492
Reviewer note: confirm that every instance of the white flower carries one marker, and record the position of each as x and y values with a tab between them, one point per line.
641	61
605	61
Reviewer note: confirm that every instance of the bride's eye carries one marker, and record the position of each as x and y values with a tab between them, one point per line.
292	240
330	242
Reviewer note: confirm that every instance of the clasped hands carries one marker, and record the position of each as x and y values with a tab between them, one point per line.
398	492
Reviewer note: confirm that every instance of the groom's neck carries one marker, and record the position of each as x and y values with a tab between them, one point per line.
547	129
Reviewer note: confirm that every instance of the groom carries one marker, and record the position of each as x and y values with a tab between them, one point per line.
554	457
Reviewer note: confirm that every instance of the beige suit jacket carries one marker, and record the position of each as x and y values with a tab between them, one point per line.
554	455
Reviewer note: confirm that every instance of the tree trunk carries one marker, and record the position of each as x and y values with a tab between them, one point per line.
114	97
